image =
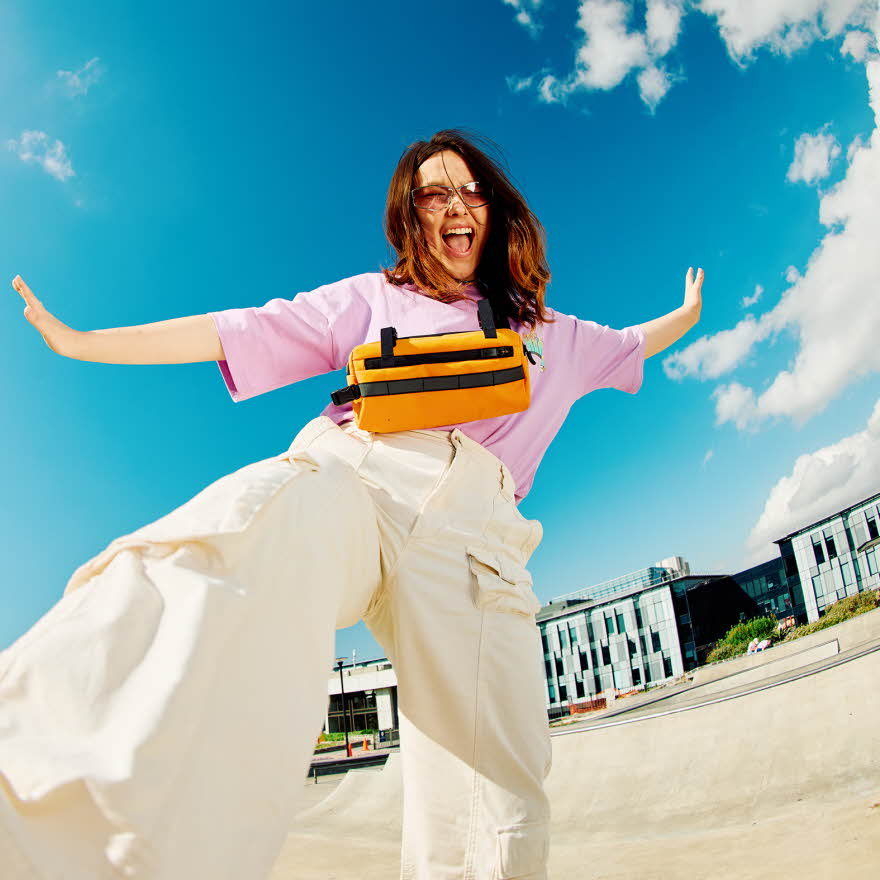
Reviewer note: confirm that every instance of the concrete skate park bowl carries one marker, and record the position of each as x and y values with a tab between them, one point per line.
763	766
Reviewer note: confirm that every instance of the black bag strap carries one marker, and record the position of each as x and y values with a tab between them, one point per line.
388	337
487	319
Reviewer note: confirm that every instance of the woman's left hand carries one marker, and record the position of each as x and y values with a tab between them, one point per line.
693	296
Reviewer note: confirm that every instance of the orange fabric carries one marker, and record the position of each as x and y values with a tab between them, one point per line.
431	409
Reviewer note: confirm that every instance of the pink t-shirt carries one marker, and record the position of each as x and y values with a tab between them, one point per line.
286	340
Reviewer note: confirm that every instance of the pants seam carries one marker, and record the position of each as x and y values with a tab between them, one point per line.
475	785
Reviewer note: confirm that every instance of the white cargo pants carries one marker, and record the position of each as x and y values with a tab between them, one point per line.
159	721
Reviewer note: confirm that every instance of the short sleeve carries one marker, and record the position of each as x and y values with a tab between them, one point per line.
600	356
611	358
287	340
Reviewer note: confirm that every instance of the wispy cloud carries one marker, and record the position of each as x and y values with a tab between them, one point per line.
80	81
34	147
783	26
609	49
813	156
832	309
857	44
821	482
748	301
526	13
707	457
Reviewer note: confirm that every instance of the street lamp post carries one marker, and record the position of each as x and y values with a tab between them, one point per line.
339	662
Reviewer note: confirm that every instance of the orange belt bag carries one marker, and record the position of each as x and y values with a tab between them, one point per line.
409	382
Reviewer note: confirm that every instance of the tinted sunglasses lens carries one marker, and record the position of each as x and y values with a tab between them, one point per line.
434	198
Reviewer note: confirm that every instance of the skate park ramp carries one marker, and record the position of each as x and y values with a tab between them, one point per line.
775	773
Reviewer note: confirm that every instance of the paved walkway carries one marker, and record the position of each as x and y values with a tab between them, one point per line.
763	776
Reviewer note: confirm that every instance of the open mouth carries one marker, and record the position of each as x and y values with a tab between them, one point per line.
459	242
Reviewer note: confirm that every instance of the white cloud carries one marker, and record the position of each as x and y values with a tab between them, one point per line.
785	26
653	85
33	146
663	22
751	300
820	483
813	155
832	309
711	356
519	83
525	13
857	44
609	50
80	81
708	456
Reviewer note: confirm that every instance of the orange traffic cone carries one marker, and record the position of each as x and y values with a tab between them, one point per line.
366	745
349	750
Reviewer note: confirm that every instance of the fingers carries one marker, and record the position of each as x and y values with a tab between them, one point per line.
24	290
690	275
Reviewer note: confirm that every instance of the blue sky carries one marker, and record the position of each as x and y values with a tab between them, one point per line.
172	159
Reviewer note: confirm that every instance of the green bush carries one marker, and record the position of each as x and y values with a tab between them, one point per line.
851	606
737	639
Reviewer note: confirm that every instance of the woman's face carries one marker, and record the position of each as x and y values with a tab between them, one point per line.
460	254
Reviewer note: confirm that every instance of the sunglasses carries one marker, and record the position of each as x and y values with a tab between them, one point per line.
435	197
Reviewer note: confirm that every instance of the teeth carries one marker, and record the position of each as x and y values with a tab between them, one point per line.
459	230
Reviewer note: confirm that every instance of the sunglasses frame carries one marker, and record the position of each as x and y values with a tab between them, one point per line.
449	192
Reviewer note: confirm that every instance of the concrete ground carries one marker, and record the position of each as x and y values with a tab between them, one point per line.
774	773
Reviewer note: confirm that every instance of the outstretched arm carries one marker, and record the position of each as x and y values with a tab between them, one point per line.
176	341
662	332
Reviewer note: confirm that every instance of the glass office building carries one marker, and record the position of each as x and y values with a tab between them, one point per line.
591	646
836	556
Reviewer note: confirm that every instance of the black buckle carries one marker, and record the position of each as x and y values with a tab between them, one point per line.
345	395
388	336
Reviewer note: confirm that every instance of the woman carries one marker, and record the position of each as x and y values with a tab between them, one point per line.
159	720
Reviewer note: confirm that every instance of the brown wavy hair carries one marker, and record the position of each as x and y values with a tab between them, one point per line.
513	272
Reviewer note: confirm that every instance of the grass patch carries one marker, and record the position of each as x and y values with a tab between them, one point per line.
737	639
851	606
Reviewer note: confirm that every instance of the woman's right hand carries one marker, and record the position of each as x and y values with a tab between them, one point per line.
55	333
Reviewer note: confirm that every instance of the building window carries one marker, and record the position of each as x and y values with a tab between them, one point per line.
655	641
638	618
667	667
872	526
818	552
632	647
829	543
544	643
846	571
621	626
562	640
609	624
872	562
637	676
579	688
552	692
606	655
817	585
548	668
573	634
563	693
560	669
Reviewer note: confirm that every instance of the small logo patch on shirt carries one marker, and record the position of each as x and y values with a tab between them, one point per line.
534	344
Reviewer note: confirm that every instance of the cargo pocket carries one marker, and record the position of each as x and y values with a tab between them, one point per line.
501	584
522	851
